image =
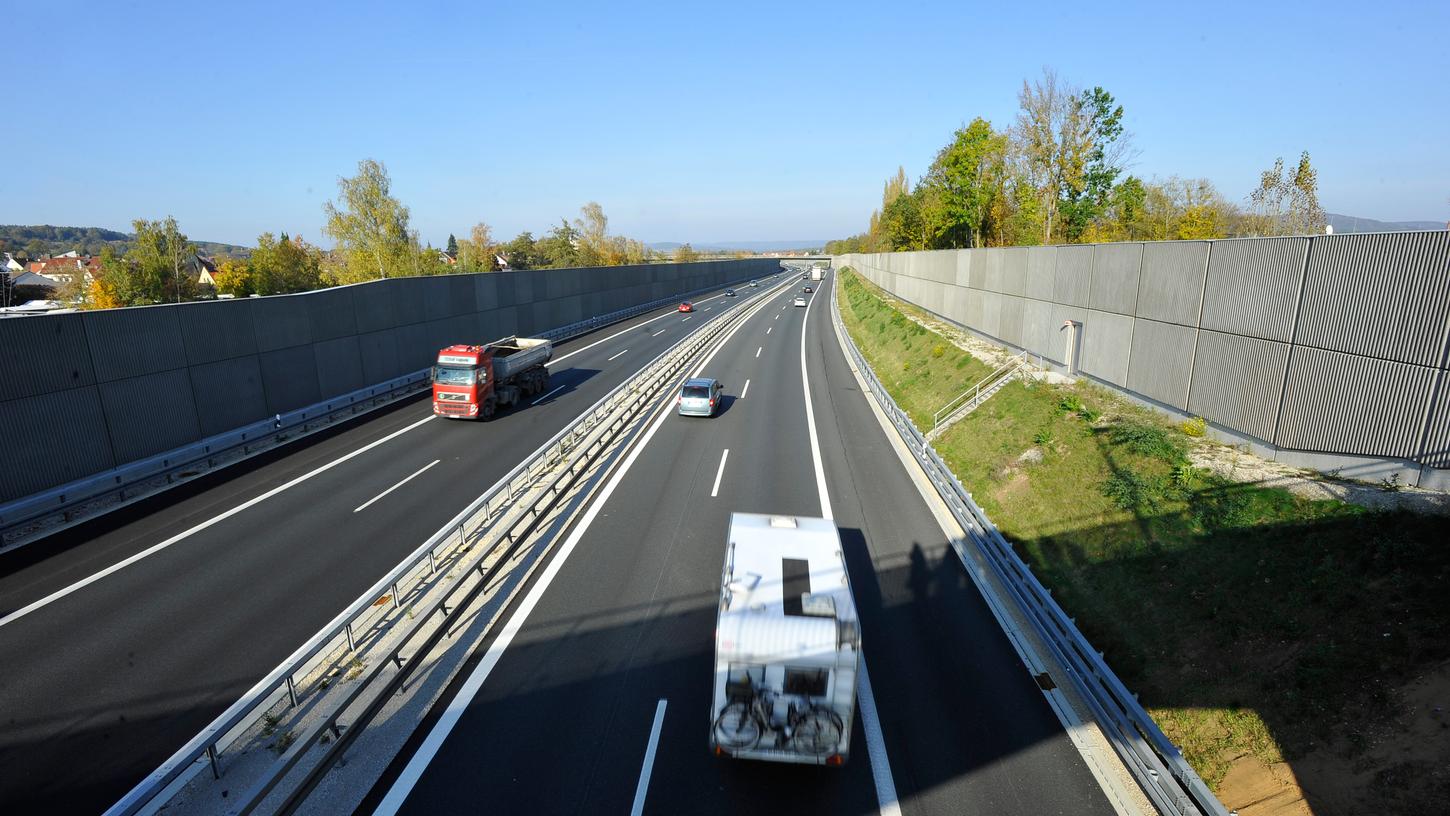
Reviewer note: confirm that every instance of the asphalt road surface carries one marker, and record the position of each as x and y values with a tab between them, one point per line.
599	699
111	664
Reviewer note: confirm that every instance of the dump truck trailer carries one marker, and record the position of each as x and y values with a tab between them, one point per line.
474	381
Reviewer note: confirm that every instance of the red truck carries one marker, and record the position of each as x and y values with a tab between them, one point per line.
472	382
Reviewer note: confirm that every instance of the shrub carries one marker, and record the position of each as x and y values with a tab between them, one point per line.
1193	426
938	350
1070	404
1130	491
1044	437
1089	415
1223	508
1147	440
906	366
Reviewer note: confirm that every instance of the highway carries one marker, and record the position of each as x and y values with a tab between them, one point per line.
596	695
123	637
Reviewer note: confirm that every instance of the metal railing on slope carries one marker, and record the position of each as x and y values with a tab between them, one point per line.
53	509
1155	763
1002	372
465	529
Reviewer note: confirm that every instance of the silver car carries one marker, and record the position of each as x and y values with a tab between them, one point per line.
700	396
800	301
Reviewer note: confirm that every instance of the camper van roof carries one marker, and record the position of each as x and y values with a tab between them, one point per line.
772	561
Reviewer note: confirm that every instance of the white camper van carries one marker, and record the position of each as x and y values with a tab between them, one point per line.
787	643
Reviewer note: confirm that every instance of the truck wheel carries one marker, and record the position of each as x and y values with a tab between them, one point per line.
489	406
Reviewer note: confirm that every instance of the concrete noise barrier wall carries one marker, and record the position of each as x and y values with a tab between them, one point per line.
84	392
1326	351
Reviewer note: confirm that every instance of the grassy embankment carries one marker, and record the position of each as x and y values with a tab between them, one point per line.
1249	620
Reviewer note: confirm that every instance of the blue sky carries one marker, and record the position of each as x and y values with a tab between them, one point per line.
688	122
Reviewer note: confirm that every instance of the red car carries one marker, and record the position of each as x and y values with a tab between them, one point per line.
687	306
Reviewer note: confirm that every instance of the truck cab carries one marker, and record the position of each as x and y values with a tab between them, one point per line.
472	382
459	375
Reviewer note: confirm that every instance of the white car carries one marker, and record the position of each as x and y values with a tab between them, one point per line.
800	301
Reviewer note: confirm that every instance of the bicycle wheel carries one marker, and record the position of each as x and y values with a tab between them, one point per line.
817	732
736	728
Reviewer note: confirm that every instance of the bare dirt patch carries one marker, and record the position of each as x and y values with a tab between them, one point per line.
1402	767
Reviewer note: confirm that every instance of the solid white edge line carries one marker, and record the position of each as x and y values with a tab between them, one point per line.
649	760
745	390
550	394
811	421
416	474
155	548
621	354
886	797
413	771
715	491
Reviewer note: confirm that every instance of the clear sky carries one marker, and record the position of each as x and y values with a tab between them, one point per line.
702	122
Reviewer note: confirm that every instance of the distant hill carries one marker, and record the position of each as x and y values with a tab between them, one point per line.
748	246
45	239
1350	223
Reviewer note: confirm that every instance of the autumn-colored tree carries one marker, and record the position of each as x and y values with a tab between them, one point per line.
370	227
686	254
233	277
110	284
477	252
1287	203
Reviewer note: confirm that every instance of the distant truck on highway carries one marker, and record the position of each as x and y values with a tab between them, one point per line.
817	273
787	643
472	382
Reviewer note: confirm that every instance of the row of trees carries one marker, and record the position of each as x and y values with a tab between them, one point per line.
1057	174
584	242
373	239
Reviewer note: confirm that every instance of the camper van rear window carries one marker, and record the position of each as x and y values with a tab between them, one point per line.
806	682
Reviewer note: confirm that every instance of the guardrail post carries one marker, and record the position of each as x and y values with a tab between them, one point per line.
351	647
216	770
291	691
397	602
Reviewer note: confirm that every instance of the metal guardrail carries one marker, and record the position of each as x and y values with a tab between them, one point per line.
1155	763
24	518
465	529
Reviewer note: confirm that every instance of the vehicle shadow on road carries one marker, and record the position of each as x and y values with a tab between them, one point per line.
567	381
